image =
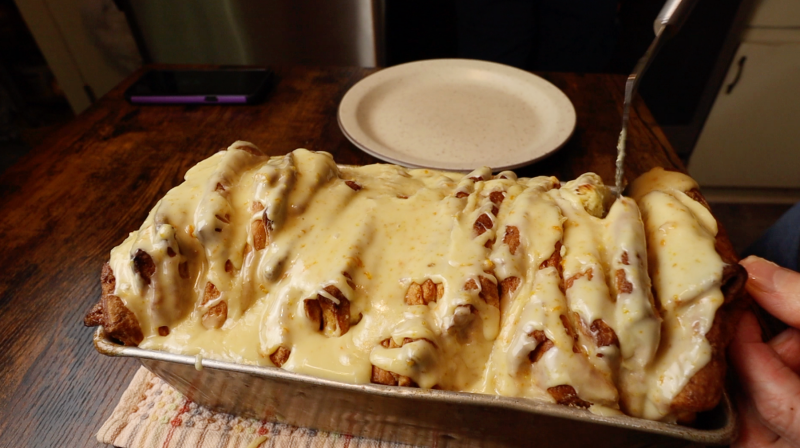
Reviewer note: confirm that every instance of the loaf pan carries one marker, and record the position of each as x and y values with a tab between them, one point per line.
410	415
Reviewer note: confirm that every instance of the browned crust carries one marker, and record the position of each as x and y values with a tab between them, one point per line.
425	293
117	320
313	312
216	315
555	258
380	376
567	396
540	350
256	207
210	293
482	224
587	273
489	292
555	262
259	231
354	186
349	280
280	356
462	321
330	318
511	239
95	315
143	265
599	332
387	378
542	347
335	315
107	280
623	285
570	332
497	198
603	334
508	286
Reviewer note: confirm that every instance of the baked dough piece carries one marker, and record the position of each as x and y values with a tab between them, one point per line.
478	282
699	286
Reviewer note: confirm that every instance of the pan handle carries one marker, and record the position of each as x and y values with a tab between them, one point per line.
673	14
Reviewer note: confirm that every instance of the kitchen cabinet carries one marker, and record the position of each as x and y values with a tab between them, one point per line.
81	41
751	137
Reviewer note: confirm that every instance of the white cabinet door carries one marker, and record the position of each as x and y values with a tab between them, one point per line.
752	135
81	56
776	14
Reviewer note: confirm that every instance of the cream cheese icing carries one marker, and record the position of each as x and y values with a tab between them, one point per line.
472	282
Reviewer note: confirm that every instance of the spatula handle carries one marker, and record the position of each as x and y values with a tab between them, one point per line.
673	14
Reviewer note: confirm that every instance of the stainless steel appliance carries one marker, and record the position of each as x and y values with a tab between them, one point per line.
252	32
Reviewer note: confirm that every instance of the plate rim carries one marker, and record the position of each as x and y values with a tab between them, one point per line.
355	93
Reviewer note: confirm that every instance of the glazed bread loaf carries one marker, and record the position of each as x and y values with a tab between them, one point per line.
476	282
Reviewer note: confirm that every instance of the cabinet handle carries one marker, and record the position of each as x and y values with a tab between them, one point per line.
735	81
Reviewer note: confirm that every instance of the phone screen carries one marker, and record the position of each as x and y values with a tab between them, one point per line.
199	86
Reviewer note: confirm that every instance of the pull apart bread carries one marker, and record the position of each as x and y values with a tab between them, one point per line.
484	283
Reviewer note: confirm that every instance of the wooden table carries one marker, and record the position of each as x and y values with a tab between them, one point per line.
65	205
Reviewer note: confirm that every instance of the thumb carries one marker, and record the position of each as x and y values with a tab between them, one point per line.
775	288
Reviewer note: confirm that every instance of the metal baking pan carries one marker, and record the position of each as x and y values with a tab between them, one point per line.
409	415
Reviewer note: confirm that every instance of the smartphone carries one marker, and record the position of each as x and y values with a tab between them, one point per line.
224	86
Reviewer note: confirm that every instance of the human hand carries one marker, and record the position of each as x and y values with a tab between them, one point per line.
769	371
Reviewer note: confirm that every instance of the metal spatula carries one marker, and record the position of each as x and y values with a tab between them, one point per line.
667	23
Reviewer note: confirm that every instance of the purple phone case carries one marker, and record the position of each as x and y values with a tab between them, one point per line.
190	99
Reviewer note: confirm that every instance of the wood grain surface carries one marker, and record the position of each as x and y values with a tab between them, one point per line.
65	205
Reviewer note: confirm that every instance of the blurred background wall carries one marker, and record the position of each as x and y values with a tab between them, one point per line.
723	89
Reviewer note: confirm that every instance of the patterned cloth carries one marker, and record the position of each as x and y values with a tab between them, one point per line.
151	414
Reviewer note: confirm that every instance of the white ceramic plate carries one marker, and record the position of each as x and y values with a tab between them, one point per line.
456	114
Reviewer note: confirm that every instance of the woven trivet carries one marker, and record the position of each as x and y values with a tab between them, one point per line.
151	414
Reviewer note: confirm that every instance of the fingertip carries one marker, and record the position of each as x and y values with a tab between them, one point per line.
751	259
756	264
775	288
759	272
